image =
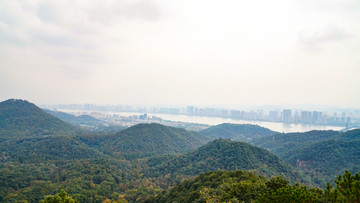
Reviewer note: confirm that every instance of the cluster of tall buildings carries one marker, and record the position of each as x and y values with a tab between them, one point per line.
314	117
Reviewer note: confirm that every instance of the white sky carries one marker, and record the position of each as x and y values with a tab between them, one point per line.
181	52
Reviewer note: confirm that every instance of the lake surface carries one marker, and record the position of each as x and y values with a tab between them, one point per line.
275	126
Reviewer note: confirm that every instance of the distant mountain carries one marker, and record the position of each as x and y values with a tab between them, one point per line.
238	132
221	154
87	122
22	118
281	143
151	139
76	120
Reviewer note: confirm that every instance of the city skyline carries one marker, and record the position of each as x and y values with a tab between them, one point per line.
301	116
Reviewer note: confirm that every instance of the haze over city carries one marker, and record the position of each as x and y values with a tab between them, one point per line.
181	52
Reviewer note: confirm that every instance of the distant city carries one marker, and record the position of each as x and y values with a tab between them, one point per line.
344	119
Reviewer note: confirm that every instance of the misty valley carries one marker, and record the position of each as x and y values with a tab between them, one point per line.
46	159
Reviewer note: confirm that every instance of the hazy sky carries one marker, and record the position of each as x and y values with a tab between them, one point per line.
181	52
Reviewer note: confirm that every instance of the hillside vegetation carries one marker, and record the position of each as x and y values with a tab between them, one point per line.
22	118
141	163
240	186
150	139
321	155
220	154
282	143
237	132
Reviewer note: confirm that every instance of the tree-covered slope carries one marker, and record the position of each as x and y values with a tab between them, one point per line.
220	154
76	120
350	135
280	144
327	159
50	148
321	155
240	186
22	118
211	185
151	139
238	132
87	180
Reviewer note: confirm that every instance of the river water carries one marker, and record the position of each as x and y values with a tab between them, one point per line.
275	126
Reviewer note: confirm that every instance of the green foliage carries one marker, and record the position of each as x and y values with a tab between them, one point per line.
220	154
292	193
349	186
220	185
239	132
319	156
61	197
145	140
282	143
327	159
40	149
351	135
240	186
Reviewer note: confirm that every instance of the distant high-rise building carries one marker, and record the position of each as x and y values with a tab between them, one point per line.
348	120
235	114
274	115
286	115
320	119
190	110
315	116
305	116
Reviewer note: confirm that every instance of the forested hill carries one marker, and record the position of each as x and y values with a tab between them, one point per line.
44	149
76	120
238	132
22	118
322	155
326	160
281	143
151	139
220	154
350	135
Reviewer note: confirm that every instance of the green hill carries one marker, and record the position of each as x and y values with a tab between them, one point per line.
326	160
238	132
76	120
321	155
350	135
280	144
22	118
50	148
217	155
151	139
